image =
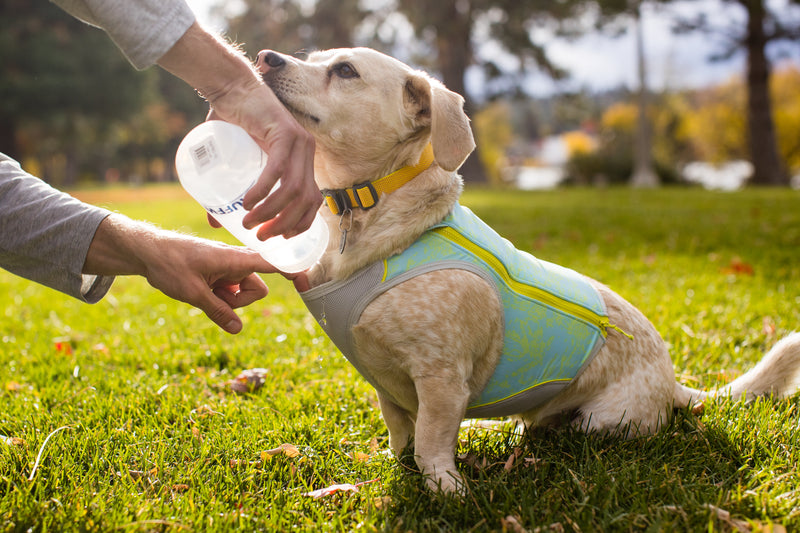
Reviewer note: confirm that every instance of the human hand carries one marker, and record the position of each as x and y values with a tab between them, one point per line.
237	94
214	277
291	208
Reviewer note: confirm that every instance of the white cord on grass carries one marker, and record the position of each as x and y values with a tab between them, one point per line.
41	451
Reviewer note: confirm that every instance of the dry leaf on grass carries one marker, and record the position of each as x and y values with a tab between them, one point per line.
204	411
13	386
737	267
511	523
360	457
516	454
12	441
247	381
289	450
725	517
340	487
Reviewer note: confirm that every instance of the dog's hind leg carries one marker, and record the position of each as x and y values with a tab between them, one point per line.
629	387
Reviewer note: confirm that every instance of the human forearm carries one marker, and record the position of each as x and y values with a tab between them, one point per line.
46	233
223	69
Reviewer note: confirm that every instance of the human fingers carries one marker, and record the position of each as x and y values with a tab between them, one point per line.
212	221
249	290
219	312
300	281
289	209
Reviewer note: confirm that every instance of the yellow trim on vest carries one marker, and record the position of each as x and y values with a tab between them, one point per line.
366	195
535	293
523	391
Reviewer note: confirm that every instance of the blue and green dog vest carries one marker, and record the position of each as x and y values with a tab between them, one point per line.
554	319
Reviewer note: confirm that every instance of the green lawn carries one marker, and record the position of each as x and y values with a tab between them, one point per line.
155	440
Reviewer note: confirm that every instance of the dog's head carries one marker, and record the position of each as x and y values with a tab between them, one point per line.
368	111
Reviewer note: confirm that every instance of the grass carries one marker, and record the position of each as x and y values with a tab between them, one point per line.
156	441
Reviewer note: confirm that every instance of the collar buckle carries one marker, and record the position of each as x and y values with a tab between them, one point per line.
338	200
366	195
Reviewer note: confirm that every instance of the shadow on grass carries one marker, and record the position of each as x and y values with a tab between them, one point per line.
565	480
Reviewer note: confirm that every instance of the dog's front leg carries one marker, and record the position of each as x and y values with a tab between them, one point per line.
399	423
441	410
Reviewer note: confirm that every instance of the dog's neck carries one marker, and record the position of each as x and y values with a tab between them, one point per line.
398	219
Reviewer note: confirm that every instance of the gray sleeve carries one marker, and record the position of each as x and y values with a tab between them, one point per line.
46	234
143	29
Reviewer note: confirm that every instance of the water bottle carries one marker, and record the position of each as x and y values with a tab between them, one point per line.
217	163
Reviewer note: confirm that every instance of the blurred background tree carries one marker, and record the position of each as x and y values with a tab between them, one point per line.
753	26
70	103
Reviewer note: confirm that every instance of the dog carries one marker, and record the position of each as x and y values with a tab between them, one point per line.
430	333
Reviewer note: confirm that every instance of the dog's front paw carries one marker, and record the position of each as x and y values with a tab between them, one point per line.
450	482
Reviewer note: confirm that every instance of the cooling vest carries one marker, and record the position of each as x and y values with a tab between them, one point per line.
554	319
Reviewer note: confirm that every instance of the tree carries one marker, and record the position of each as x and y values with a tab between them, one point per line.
718	110
763	25
644	174
454	31
62	77
291	26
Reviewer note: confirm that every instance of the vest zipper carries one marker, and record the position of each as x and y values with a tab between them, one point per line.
535	293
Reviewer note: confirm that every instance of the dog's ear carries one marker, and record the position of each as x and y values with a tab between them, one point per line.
430	104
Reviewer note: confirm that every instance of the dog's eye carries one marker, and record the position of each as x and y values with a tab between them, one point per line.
344	70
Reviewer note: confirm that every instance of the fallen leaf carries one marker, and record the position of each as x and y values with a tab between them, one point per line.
249	380
289	450
725	516
13	386
12	441
511	523
361	457
63	347
516	454
205	411
768	528
333	489
382	502
373	445
738	267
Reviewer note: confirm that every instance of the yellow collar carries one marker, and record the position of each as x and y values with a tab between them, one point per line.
366	195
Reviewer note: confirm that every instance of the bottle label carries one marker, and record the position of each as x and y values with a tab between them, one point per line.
204	154
227	209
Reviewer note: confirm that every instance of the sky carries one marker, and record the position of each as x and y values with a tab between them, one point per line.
601	62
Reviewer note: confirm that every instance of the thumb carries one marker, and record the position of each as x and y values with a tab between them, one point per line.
219	312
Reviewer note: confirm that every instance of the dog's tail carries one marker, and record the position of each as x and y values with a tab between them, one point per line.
777	375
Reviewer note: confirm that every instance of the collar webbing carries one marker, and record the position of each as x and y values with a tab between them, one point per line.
366	195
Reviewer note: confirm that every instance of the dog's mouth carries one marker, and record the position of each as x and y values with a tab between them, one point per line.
299	115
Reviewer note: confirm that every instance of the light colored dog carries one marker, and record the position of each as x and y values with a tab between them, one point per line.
431	343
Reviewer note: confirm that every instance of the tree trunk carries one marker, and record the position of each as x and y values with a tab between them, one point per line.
644	176
454	50
767	166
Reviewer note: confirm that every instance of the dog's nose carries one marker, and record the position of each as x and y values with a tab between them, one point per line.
268	59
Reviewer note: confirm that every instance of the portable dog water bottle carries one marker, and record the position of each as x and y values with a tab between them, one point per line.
217	163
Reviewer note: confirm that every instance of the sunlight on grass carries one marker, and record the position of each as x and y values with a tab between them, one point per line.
156	440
